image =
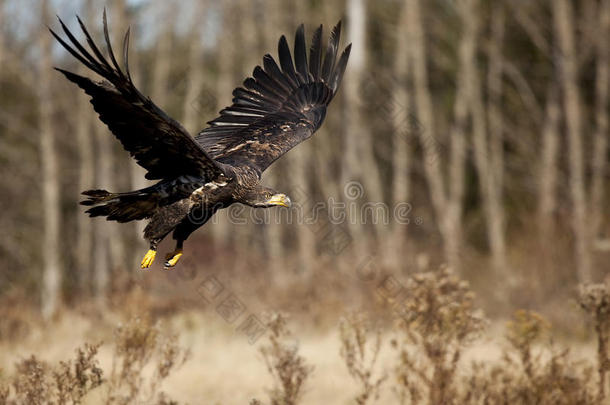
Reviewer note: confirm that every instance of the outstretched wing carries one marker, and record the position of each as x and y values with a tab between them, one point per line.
157	142
280	106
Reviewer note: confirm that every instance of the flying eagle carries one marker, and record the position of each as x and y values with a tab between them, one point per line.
275	109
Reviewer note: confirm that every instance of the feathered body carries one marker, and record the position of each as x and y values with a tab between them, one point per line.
276	109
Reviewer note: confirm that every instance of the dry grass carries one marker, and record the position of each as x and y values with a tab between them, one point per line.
434	356
36	382
595	300
361	355
139	345
438	320
288	369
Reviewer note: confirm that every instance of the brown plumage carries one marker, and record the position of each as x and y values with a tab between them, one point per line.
276	109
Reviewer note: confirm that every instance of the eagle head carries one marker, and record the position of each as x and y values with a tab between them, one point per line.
265	197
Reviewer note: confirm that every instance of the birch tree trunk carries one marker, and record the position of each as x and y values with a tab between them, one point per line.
548	171
108	249
191	116
401	157
2	51
600	139
224	87
300	172
359	161
563	15
163	51
86	175
487	144
273	232
137	180
245	234
101	227
84	141
447	206
51	278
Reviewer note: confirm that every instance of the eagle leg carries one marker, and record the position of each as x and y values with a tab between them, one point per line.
148	259
171	259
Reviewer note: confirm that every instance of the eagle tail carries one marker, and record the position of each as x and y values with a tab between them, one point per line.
121	207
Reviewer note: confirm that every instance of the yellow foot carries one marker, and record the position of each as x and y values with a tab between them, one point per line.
148	259
172	258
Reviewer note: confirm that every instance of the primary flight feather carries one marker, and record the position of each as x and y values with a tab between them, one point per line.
277	108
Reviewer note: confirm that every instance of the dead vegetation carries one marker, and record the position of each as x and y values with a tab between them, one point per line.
139	345
143	358
595	300
288	369
36	382
439	321
360	354
425	362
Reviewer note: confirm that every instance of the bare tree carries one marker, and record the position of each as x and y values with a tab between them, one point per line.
273	233
358	156
120	22
487	140
196	77
101	228
447	205
563	15
549	165
2	51
401	156
298	163
600	139
51	280
225	83
108	252
86	174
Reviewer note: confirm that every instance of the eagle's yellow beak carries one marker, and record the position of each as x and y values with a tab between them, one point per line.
279	199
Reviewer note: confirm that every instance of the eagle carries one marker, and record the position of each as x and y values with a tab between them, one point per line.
280	106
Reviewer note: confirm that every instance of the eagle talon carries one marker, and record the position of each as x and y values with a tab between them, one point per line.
172	258
148	259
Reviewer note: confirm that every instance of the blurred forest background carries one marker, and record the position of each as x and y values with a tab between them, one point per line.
481	126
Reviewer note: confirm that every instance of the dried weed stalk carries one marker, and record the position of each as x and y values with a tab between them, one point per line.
288	369
139	345
361	355
35	382
595	300
438	319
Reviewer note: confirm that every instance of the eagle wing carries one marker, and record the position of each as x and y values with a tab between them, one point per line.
157	142
280	106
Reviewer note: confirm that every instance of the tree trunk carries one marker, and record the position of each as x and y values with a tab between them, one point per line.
401	157
84	141
600	140
51	280
563	15
86	173
299	163
101	228
359	163
447	208
487	143
273	231
191	116
224	87
548	172
137	180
